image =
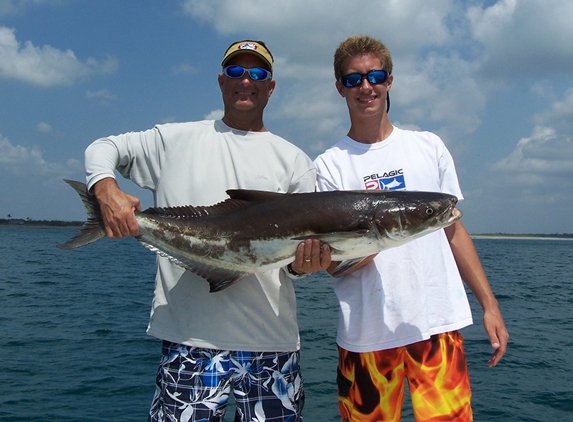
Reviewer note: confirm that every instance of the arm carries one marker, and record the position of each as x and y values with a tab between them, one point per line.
474	276
135	155
102	158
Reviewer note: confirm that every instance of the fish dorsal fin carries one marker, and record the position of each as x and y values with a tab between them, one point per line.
253	195
177	212
189	211
239	198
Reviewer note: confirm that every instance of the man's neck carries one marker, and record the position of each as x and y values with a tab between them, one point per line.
371	130
245	123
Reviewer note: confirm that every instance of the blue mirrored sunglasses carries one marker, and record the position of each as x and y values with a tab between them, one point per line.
373	77
255	73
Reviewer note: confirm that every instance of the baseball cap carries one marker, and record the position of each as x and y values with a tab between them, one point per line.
257	48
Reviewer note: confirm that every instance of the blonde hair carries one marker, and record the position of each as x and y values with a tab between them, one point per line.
358	46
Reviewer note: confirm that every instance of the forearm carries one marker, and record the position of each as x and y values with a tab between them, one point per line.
105	188
474	276
469	265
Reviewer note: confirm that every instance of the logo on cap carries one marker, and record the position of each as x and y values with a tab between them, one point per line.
247	46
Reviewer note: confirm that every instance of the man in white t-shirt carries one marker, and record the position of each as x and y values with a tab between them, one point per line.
400	310
244	339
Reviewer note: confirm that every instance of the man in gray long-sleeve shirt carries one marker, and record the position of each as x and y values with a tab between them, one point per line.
244	338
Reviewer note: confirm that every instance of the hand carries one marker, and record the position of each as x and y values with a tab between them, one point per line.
117	209
311	256
497	333
474	276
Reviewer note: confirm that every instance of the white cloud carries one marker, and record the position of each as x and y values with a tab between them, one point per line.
433	82
184	69
318	110
33	187
442	49
102	95
215	115
560	114
439	89
456	63
7	8
543	160
544	153
12	7
44	127
327	21
45	66
524	38
29	163
453	60
16	154
168	119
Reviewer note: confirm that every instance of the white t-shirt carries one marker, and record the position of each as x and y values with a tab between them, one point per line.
411	292
194	164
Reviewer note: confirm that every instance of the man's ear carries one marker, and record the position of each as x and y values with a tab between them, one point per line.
339	88
390	80
272	84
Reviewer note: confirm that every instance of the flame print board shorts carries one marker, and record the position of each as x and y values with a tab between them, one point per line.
371	384
193	384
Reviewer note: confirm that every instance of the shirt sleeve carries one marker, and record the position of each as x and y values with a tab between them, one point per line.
135	155
324	178
448	175
304	178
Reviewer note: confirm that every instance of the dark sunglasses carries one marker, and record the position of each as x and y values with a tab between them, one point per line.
255	73
373	77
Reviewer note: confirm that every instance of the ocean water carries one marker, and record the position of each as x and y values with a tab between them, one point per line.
73	345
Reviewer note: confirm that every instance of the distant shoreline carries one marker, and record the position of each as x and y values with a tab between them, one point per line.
48	224
51	224
509	236
40	226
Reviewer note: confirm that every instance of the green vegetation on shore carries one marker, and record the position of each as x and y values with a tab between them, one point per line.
37	223
525	235
58	223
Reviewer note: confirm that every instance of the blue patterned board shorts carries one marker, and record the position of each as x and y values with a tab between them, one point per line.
194	384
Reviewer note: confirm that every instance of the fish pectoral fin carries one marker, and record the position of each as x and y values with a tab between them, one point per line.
218	278
335	237
344	266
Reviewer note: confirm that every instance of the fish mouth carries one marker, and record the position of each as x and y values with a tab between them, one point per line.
455	215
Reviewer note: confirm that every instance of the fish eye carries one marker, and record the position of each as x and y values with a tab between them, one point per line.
429	211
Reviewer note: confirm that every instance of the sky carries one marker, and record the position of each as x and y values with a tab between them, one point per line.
494	79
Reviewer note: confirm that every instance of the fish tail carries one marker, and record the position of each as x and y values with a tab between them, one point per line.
93	229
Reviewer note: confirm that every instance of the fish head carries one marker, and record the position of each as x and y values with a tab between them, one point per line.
410	214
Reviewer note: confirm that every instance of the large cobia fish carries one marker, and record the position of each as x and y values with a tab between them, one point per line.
257	231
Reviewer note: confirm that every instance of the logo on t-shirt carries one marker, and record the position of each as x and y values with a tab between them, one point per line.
392	180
